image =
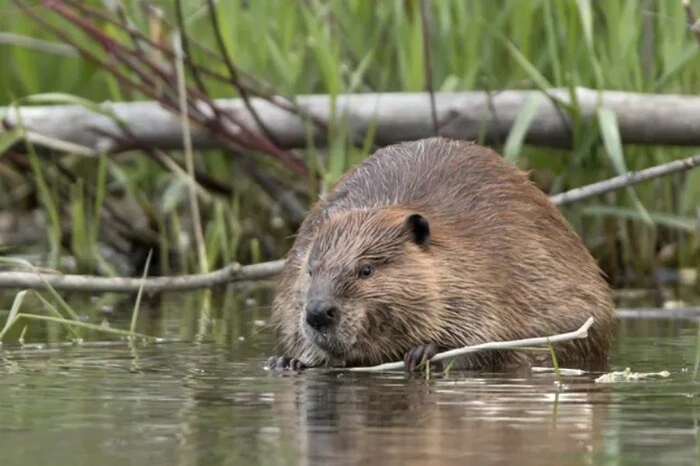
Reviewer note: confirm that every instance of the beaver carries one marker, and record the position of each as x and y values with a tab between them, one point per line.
432	245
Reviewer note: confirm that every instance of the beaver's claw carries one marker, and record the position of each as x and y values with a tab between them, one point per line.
284	363
419	355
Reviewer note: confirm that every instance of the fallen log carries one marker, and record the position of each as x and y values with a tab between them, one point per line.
664	119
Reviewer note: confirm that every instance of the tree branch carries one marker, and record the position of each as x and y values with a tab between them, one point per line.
86	283
622	181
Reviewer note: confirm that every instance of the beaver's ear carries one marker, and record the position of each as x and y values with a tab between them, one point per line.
419	228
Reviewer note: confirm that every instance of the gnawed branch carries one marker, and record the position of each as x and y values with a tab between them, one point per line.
582	332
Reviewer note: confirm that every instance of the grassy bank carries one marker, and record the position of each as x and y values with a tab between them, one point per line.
342	47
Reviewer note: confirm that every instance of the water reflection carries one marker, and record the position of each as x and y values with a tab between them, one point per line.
381	419
213	404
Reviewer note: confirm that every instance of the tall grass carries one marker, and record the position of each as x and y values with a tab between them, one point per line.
341	46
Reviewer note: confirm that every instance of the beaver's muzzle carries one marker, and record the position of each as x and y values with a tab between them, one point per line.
321	314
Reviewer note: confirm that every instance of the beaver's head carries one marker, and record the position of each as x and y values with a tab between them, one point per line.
372	286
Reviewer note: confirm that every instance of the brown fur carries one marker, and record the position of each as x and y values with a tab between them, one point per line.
501	263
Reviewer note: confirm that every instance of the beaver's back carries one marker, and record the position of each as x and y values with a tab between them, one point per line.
416	173
466	186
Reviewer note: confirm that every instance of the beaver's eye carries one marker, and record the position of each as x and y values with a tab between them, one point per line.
366	271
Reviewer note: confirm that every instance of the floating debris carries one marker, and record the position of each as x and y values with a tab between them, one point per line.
627	376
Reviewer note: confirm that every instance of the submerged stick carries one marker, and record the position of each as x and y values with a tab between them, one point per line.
582	332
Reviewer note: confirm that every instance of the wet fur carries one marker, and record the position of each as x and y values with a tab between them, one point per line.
501	263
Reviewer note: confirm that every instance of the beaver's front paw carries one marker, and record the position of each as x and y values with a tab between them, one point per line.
419	355
284	363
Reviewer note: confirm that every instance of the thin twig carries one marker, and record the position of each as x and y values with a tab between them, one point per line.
127	56
623	181
692	19
121	77
102	17
126	24
87	283
233	74
270	94
582	332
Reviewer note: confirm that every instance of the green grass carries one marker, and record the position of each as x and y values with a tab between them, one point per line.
345	46
60	312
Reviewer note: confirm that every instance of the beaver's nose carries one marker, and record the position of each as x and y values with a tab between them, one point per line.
321	314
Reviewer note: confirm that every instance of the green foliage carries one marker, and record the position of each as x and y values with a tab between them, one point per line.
339	46
66	316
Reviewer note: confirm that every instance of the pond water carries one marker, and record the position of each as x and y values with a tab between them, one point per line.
213	404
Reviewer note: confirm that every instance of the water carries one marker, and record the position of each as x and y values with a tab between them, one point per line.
213	404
